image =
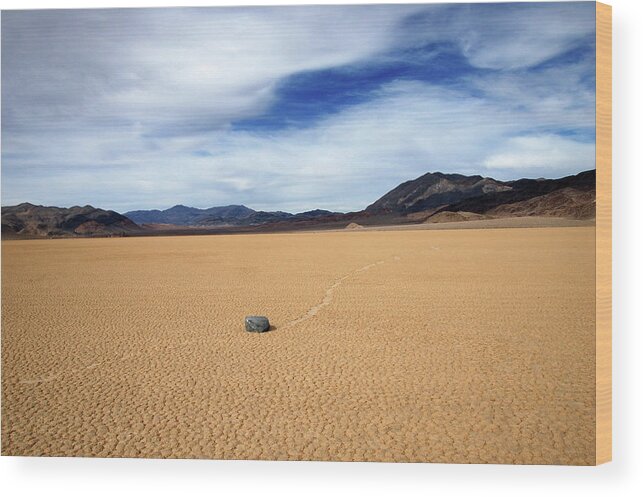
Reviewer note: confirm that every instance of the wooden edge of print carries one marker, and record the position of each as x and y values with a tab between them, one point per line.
603	233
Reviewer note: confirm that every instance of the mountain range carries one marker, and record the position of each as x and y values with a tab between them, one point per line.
431	198
229	215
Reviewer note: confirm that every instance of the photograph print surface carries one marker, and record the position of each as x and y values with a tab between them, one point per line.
337	233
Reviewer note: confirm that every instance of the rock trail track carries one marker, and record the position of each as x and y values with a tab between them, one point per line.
330	292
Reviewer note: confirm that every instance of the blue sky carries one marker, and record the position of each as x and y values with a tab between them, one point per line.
289	108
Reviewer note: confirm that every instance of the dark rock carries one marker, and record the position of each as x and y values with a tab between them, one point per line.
257	324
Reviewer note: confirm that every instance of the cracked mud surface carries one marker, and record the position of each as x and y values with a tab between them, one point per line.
444	346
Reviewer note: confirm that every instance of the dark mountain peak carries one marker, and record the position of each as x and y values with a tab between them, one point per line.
449	176
436	192
433	190
180	208
83	209
315	213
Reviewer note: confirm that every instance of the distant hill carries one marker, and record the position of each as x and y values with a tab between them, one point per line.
187	216
434	193
229	215
434	190
36	220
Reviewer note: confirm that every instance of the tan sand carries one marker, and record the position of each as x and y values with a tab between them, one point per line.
445	346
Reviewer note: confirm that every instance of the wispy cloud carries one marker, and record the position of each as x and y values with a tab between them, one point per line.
542	152
289	108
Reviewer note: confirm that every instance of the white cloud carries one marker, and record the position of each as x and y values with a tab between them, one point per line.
545	152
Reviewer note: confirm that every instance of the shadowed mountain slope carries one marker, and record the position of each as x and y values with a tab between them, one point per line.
434	190
569	202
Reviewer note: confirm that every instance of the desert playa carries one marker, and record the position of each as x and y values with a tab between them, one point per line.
472	345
